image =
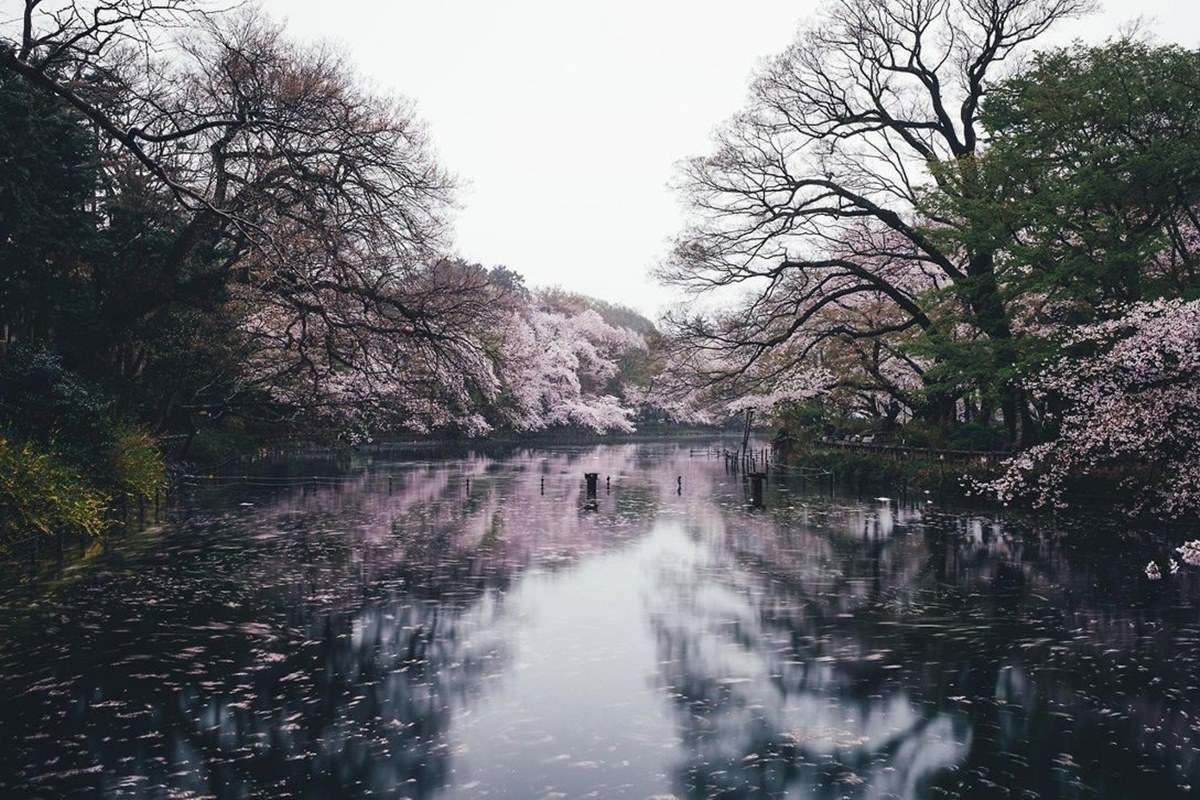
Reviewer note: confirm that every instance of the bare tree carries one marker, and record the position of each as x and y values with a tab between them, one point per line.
812	200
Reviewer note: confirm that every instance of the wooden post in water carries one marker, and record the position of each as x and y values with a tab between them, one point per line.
591	478
608	484
757	479
679	485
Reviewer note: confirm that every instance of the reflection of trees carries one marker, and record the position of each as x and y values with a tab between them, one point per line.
495	508
319	642
768	705
185	680
881	652
322	642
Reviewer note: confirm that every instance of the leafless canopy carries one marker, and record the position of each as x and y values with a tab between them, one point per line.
811	201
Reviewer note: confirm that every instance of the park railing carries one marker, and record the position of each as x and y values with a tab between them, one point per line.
907	451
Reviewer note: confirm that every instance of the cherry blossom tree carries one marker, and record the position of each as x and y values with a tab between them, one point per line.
557	368
1189	553
846	342
1129	390
418	361
501	357
304	208
700	385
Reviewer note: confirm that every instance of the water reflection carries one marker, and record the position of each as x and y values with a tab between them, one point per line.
477	626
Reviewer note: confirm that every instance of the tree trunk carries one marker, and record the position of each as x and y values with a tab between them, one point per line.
982	296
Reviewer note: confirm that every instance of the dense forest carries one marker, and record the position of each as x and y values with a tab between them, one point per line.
920	228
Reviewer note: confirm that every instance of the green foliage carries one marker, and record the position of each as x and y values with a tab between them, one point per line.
66	454
137	467
805	422
1092	172
921	433
48	168
1084	200
866	470
220	443
87	279
50	404
42	495
977	436
851	425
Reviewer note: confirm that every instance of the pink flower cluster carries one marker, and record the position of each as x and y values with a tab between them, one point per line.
558	367
1130	387
1189	552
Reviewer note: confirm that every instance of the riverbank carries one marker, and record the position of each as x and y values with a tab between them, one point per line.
952	474
916	471
293	447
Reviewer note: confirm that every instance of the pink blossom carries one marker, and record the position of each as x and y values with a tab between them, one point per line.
558	368
1131	405
1190	552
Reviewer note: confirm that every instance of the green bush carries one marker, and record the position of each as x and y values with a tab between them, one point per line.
136	463
974	436
223	442
42	495
887	471
920	433
66	456
805	422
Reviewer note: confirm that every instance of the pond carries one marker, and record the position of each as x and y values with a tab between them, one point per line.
471	625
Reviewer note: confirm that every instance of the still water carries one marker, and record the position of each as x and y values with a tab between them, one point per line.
479	629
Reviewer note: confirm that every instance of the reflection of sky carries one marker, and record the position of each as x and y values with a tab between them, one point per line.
474	627
745	702
578	711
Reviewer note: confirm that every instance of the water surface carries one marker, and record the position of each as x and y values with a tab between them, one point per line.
473	626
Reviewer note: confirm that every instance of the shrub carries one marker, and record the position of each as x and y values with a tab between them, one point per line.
805	422
975	436
42	495
223	442
49	405
65	456
921	433
136	463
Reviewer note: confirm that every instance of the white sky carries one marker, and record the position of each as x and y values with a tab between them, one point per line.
564	118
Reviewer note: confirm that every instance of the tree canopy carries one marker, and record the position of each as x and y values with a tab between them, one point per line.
923	215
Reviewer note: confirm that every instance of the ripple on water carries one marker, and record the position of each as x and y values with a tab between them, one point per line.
477	627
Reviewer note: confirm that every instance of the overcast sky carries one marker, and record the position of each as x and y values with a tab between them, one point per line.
565	118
